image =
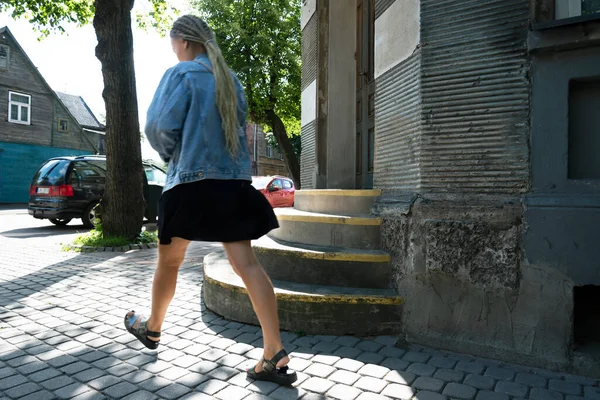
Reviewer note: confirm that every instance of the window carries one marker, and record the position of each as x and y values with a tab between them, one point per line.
269	152
52	173
287	184
63	125
88	172
19	108
4	56
584	129
277	183
155	176
575	8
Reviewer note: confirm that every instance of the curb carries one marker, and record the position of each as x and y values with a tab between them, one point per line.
122	249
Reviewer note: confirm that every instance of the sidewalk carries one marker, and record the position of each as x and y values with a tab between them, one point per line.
20	208
62	336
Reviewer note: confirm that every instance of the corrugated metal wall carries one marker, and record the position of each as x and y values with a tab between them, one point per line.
398	126
18	164
308	157
475	96
309	52
381	6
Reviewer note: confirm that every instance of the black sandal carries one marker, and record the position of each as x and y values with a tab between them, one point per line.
141	332
282	376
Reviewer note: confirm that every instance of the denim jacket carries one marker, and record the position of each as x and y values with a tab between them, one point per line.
184	126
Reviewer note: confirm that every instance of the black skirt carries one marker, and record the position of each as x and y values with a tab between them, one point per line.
214	211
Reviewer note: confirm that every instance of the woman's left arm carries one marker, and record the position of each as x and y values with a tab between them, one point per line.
167	114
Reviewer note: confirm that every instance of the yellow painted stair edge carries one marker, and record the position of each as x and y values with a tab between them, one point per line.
333	256
330	219
340	192
340	299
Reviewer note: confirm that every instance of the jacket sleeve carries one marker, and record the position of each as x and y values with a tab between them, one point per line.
167	114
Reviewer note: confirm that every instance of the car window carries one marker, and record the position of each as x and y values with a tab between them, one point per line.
86	172
260	182
155	176
287	184
277	183
52	173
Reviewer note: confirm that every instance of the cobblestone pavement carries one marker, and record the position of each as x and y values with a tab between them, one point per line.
61	336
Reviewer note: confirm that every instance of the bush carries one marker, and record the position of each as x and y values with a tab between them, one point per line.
95	238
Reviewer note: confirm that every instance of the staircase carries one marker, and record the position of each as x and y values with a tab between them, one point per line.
329	276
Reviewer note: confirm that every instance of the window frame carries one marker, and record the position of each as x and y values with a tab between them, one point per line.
545	16
7	57
289	182
21	106
58	125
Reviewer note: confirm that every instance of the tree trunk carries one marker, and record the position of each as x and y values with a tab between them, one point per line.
285	145
123	199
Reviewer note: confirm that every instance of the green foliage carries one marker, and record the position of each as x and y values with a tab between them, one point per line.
50	15
95	238
159	17
295	139
261	41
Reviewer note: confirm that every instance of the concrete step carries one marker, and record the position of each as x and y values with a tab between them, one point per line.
323	265
312	309
329	230
336	201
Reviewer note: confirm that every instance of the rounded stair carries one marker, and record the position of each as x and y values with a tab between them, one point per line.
317	229
323	265
326	267
310	308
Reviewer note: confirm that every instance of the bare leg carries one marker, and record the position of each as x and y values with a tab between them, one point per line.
262	295
170	258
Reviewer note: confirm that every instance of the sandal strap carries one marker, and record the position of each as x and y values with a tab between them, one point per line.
271	365
142	328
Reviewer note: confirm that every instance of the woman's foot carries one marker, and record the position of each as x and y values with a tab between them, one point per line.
140	327
280	364
274	370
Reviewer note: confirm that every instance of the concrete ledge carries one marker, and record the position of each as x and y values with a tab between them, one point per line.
337	202
313	309
120	249
324	266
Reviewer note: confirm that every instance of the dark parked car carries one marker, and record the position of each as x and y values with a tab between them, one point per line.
70	187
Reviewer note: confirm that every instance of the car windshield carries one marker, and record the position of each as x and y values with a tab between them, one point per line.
260	182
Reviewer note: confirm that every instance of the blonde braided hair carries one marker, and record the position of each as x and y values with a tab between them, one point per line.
194	29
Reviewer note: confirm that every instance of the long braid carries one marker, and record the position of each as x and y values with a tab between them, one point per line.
194	29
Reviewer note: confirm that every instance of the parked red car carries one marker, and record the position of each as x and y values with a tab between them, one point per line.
279	190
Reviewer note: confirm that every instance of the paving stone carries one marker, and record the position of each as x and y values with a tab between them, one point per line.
231	360
93	356
298	364
317	385
459	391
315	396
121	369
395	364
204	367
72	390
155	383
23	390
347	352
320	370
442	362
192	379
156	366
401	377
371	384
427	395
41	395
512	389
196	349
427	383
88	375
196	396
370	346
222	373
370	358
303	352
287	393
480	382
211	387
239	348
346	341
120	390
344	377
140	395
392	352
343	392
56	383
501	374
375	371
544	394
44	375
213	354
397	391
421	369
233	393
325	359
137	376
565	387
90	395
371	396
487	395
531	380
29	368
173	391
265	388
470	367
569	397
591	392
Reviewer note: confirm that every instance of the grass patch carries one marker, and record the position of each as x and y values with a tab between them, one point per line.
95	238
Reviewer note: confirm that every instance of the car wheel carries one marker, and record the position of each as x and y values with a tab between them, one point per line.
89	215
60	221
